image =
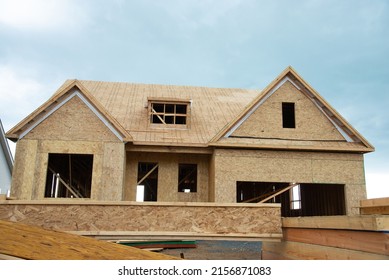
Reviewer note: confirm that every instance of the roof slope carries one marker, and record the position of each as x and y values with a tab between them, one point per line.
64	94
215	114
211	110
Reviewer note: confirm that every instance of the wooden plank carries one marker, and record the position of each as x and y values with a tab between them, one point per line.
384	201
30	242
367	241
147	174
303	251
266	255
375	210
373	223
278	193
158	235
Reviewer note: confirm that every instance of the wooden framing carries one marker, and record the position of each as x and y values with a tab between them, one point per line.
366	241
379	206
223	135
368	222
332	238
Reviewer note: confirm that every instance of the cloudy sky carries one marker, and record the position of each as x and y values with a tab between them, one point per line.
341	47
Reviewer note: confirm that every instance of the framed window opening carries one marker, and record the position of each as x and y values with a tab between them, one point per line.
288	115
69	176
169	113
187	178
147	182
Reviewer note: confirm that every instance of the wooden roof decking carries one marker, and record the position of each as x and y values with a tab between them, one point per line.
211	109
214	114
20	241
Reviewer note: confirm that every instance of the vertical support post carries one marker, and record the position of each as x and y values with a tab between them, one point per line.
56	185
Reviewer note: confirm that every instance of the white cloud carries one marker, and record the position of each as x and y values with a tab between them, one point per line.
42	15
19	95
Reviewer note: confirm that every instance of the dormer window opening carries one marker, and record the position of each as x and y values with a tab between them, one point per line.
169	113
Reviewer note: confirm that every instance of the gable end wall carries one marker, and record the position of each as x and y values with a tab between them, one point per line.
72	129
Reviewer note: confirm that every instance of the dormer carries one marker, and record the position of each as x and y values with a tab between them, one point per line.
169	112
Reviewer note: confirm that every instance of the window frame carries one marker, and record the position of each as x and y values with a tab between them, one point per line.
288	115
181	187
170	111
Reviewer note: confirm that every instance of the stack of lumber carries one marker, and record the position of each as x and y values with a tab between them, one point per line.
378	206
20	241
362	237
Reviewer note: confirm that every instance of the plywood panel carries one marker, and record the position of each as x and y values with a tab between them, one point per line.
24	169
168	175
287	166
73	121
261	220
111	187
29	242
266	121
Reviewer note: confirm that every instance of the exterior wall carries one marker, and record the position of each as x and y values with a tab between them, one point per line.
128	219
279	166
73	129
168	175
266	121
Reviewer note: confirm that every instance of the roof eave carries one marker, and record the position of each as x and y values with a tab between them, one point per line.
291	148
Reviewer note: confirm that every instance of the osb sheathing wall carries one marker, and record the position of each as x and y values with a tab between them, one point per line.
67	131
279	166
311	123
168	175
143	219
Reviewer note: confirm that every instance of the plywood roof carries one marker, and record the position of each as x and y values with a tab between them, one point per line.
215	113
24	241
211	109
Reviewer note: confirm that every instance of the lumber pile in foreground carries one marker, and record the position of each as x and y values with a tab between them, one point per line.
363	237
20	241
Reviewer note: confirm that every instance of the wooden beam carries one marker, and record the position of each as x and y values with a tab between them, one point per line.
35	243
66	185
366	241
375	210
373	223
156	114
278	193
303	251
147	175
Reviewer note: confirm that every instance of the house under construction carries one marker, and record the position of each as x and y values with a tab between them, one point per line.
187	159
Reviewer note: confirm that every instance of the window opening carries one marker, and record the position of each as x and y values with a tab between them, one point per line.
187	178
288	115
168	113
69	176
303	199
147	183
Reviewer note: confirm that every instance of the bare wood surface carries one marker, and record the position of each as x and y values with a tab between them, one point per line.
374	223
367	241
278	193
303	251
30	242
375	210
384	201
